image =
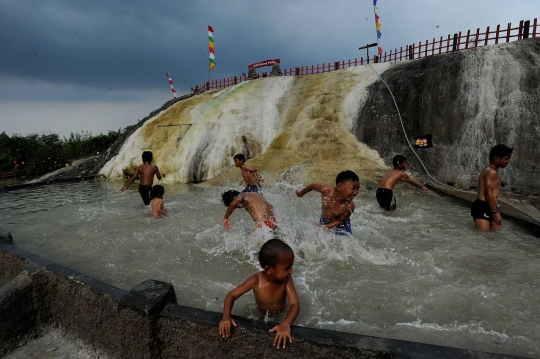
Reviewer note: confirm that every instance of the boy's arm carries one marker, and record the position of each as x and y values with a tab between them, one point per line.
135	175
158	174
340	220
490	183
251	169
163	211
283	329
409	180
234	205
319	187
226	321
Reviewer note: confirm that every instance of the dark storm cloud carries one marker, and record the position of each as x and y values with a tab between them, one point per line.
115	53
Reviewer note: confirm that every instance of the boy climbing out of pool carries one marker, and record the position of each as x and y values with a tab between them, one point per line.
260	210
484	210
273	287
158	209
250	174
337	202
146	172
385	194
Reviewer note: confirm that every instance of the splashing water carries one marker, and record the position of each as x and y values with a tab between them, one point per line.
420	273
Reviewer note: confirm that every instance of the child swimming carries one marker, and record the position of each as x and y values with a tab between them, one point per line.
385	195
272	287
337	202
157	202
260	210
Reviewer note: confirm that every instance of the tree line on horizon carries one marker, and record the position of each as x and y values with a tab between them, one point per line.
39	154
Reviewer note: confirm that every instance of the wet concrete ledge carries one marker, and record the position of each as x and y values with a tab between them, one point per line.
507	210
45	182
38	295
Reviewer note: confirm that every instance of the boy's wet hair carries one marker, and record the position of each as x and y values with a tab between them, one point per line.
346	176
147	156
398	159
157	191
271	250
240	157
500	151
228	196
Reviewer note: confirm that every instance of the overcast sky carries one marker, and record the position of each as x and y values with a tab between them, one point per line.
73	65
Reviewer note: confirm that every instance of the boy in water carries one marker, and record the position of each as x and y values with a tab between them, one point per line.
250	174
272	287
157	202
484	210
337	202
385	195
146	172
260	210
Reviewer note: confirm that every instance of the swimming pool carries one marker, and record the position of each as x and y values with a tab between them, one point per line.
420	273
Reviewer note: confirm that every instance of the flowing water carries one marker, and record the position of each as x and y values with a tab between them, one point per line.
420	273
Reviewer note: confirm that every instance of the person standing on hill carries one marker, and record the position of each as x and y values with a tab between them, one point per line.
484	210
146	172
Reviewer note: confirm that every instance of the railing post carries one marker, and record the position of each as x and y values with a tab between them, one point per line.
425	50
476	37
411	52
486	39
361	61
520	30
433	47
535	24
467	40
526	27
447	44
440	45
454	44
419	49
508	29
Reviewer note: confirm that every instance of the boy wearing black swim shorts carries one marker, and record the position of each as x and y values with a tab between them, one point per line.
385	194
484	210
146	172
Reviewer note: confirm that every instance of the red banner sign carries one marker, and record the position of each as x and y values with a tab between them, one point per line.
264	63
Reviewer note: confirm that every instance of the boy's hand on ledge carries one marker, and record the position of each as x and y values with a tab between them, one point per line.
225	327
283	332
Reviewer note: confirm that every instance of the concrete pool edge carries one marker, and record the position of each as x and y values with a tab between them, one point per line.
147	322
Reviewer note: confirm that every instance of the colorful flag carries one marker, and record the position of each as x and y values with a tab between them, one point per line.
171	83
211	47
377	27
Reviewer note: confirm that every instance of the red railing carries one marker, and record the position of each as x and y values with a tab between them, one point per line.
451	43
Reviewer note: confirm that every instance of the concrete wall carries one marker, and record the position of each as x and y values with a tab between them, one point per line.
147	322
469	101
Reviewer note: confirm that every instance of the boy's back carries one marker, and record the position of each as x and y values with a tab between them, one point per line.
391	178
146	172
259	208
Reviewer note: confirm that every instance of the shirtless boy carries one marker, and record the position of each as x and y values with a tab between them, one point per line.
385	195
484	210
250	174
158	209
273	287
146	172
260	210
337	202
